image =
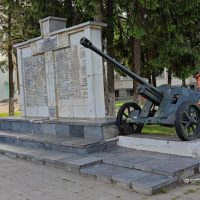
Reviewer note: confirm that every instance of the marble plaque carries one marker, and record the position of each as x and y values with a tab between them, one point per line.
71	77
35	81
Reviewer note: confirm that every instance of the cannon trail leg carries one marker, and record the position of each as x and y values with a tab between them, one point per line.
187	122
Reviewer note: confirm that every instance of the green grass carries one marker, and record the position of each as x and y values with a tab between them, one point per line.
118	104
159	130
189	191
151	129
17	114
197	182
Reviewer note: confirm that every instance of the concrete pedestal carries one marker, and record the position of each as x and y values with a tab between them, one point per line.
162	144
97	129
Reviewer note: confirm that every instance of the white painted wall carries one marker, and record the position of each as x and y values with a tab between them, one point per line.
127	83
4	87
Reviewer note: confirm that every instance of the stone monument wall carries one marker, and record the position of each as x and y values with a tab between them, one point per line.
58	76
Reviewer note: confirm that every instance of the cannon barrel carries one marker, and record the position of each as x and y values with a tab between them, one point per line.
156	96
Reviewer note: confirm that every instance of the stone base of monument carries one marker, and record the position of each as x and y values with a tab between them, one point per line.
143	171
96	129
162	144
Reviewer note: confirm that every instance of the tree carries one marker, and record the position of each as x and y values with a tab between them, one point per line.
174	36
103	11
11	20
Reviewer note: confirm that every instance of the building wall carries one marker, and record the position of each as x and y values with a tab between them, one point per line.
124	85
4	87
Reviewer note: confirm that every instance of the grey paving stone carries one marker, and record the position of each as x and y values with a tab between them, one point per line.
55	155
48	129
130	175
110	131
152	183
62	130
50	142
120	150
6	125
118	162
89	171
93	132
104	171
76	131
146	154
126	160
84	162
16	149
101	155
166	167
138	180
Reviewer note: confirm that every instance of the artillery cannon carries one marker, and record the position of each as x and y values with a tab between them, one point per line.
166	105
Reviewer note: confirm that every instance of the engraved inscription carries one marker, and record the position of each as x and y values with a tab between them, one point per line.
71	77
35	81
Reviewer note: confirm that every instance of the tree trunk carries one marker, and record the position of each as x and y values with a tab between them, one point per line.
70	15
110	92
169	76
11	68
99	11
149	79
136	65
154	79
184	82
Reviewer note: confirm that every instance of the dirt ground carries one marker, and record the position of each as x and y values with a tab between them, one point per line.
4	107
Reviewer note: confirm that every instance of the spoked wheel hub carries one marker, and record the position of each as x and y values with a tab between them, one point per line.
187	122
124	120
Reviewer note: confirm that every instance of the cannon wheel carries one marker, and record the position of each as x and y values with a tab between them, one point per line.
126	128
187	123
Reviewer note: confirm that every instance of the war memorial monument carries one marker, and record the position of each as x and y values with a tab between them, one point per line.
64	124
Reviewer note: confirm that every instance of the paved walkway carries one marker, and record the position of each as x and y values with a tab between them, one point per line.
21	180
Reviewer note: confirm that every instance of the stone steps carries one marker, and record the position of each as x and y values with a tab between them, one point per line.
67	161
91	165
50	142
143	171
159	163
140	181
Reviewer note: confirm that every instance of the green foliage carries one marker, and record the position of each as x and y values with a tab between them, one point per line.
169	31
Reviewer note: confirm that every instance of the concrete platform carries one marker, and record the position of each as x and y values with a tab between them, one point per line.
161	144
51	142
142	171
92	165
97	129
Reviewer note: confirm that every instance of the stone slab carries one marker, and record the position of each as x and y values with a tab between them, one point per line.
168	167
162	145
138	180
50	142
160	163
95	129
143	180
84	162
71	161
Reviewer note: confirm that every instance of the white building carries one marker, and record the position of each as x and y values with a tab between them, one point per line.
124	85
4	86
